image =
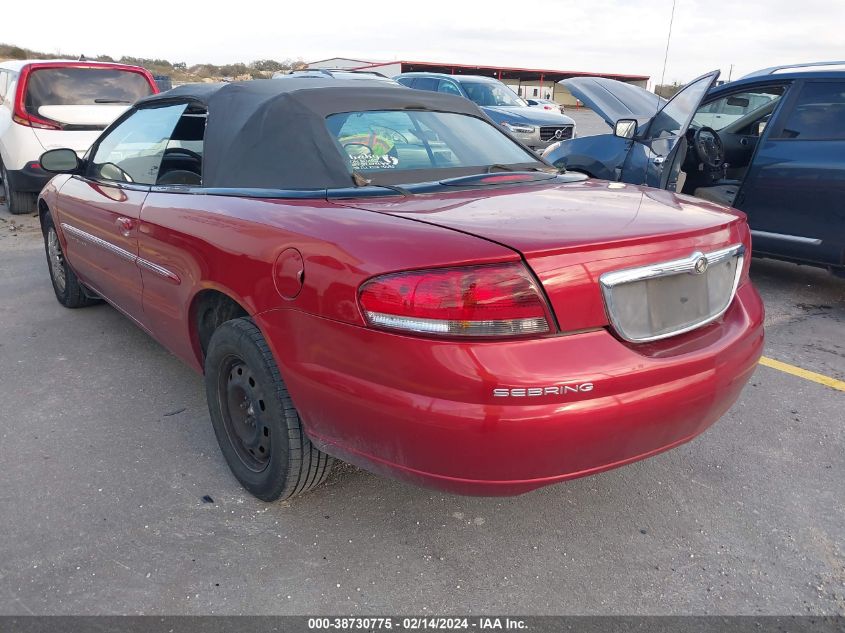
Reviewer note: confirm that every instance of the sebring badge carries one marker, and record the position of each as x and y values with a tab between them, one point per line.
551	390
700	266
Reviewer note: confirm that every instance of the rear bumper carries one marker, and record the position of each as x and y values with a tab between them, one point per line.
424	411
30	179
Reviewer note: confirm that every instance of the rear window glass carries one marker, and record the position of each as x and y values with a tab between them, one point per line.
417	140
426	83
84	86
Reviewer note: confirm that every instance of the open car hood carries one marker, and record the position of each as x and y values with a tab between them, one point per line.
613	100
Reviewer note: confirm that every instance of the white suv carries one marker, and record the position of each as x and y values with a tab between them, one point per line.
46	104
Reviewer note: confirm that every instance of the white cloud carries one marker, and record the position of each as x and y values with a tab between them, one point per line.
601	35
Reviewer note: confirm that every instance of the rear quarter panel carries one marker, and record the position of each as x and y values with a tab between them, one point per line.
18	145
230	244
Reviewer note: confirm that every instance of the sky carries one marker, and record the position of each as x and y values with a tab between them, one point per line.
613	36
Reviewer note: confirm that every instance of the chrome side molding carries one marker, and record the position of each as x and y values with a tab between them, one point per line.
96	241
158	270
93	240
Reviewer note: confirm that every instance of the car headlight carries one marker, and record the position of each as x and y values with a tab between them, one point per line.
519	128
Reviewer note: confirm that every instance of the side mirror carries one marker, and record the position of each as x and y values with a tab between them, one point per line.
625	128
60	161
761	127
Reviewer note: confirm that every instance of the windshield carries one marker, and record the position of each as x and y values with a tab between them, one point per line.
417	146
722	112
84	86
492	94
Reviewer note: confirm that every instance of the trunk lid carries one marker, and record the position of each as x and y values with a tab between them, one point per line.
99	116
79	141
93	119
570	234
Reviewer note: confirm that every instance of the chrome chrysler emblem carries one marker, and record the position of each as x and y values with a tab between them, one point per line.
558	134
700	266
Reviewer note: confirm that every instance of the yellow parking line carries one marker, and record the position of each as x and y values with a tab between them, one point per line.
803	373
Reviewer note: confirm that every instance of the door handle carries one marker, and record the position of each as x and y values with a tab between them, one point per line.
125	225
658	160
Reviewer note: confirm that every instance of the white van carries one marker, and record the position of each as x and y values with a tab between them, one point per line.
45	104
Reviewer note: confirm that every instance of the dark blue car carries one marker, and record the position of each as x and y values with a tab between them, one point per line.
771	144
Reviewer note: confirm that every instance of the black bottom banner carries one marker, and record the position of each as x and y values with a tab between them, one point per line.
537	624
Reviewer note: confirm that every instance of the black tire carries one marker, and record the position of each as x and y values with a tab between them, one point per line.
18	202
69	290
256	424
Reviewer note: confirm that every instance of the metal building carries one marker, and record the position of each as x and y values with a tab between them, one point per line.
528	82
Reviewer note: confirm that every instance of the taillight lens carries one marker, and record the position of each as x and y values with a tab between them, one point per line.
499	300
31	121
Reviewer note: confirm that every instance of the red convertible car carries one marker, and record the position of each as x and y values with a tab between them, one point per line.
382	275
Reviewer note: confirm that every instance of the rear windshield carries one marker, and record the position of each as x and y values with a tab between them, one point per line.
417	143
84	86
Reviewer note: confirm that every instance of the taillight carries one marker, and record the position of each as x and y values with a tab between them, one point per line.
20	115
498	300
32	121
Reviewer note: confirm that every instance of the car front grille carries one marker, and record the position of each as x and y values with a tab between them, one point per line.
661	300
548	133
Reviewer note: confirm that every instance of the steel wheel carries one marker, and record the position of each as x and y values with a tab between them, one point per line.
56	259
254	420
243	405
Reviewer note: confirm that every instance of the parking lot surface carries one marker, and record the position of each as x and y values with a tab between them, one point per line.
114	497
587	122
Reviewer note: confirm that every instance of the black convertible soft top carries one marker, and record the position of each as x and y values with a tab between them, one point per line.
272	133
